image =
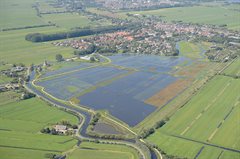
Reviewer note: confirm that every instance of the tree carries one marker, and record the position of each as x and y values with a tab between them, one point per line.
59	57
92	59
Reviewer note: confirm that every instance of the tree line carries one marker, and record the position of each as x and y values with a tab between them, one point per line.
28	27
40	37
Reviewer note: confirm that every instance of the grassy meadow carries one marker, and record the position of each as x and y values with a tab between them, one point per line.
233	69
103	151
210	117
18	13
20	125
15	49
72	20
119	15
189	49
216	15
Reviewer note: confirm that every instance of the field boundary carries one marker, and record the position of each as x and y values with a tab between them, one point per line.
208	144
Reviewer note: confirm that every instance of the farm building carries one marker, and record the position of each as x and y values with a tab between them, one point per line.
61	128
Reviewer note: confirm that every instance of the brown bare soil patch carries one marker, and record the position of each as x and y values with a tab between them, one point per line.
164	96
193	70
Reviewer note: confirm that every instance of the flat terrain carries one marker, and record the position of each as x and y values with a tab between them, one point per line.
205	119
107	13
233	69
20	125
18	13
115	86
130	88
72	20
217	15
103	151
15	49
191	50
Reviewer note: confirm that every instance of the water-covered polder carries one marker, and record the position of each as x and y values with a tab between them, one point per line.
124	98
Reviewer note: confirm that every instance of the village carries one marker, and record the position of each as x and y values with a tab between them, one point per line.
157	38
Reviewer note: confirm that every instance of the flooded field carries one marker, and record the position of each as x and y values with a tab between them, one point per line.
152	63
67	86
124	93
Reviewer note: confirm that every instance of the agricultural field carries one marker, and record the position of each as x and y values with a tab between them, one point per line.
18	13
217	102
191	50
131	92
14	48
4	79
69	85
216	15
45	7
72	20
103	151
233	69
8	97
20	125
119	15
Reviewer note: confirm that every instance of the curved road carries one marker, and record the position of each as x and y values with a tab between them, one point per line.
86	117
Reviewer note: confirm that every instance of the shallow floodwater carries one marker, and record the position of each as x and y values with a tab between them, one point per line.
124	98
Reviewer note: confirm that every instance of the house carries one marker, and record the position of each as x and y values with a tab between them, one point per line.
85	58
17	69
45	63
12	86
61	128
69	60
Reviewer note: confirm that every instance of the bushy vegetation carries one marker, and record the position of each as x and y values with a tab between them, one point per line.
89	50
147	132
28	27
40	37
95	119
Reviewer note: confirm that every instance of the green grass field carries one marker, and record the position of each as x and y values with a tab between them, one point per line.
8	97
4	79
216	15
44	6
15	49
71	20
189	49
120	15
103	151
20	125
233	69
211	117
68	20
18	13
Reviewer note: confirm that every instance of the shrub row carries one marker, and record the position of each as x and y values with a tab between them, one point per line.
39	37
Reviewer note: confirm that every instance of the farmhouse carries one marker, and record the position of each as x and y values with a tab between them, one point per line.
85	58
61	128
12	86
45	63
17	69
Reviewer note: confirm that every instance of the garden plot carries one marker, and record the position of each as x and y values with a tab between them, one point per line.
65	87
